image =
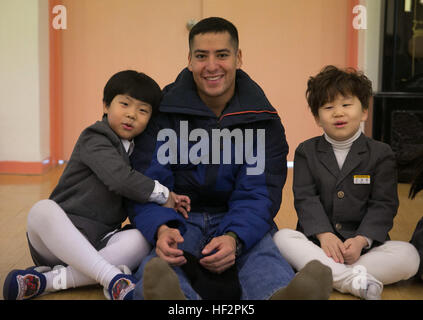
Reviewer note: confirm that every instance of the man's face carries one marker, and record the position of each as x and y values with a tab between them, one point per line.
213	61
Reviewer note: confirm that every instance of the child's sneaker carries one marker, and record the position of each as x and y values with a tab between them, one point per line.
373	291
25	284
122	285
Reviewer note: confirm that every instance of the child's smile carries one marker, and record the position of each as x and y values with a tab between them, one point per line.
340	124
341	118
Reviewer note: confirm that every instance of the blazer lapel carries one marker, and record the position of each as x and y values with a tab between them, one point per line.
115	140
327	157
354	157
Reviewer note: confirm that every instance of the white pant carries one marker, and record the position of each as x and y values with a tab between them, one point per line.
57	240
388	263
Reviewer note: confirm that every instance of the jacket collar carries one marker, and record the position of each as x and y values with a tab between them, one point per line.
249	103
115	139
327	157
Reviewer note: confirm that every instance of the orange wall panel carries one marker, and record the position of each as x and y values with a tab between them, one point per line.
107	36
284	42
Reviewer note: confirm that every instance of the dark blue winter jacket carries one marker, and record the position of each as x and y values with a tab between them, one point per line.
218	176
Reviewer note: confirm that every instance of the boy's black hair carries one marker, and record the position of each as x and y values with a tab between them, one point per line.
134	84
215	25
331	81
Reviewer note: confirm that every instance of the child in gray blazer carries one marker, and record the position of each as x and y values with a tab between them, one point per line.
80	224
345	193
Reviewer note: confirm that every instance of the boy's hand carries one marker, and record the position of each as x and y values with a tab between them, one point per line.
332	246
179	203
353	248
167	246
182	204
170	203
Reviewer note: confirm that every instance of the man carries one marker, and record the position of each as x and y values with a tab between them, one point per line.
223	145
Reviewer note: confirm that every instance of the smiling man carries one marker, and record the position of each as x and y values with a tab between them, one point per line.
230	225
213	60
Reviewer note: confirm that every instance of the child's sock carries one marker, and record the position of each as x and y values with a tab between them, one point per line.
160	282
313	282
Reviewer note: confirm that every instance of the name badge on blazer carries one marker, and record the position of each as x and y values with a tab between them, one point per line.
361	179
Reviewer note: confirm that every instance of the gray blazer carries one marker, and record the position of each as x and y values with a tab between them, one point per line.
331	200
94	183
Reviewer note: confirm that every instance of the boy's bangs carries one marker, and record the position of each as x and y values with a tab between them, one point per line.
134	84
143	94
342	88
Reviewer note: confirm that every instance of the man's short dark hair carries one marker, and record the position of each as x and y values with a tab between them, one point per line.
331	81
215	25
134	84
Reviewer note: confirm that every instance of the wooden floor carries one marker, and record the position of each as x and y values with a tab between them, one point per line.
19	193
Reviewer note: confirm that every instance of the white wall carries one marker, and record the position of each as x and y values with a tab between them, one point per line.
370	43
24	80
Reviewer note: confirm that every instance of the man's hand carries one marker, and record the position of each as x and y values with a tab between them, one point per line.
223	258
167	246
353	248
332	246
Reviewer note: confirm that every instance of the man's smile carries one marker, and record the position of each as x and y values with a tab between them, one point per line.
213	78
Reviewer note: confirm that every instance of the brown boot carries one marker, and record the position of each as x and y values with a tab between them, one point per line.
160	282
313	282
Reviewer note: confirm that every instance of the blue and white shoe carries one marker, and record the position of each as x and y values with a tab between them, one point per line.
25	284
122	285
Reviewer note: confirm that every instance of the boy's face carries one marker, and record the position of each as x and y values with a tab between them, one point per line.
341	118
127	116
213	61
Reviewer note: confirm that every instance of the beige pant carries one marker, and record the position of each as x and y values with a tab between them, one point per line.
388	263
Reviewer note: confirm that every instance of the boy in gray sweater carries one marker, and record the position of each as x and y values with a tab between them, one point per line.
80	224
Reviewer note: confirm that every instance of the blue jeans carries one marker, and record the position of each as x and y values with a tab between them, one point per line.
261	270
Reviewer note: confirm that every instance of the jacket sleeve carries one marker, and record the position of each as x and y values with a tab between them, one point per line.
312	216
256	198
148	217
98	152
383	203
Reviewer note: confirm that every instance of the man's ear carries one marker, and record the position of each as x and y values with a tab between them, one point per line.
189	61
239	59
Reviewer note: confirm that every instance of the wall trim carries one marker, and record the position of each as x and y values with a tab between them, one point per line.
19	167
56	93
